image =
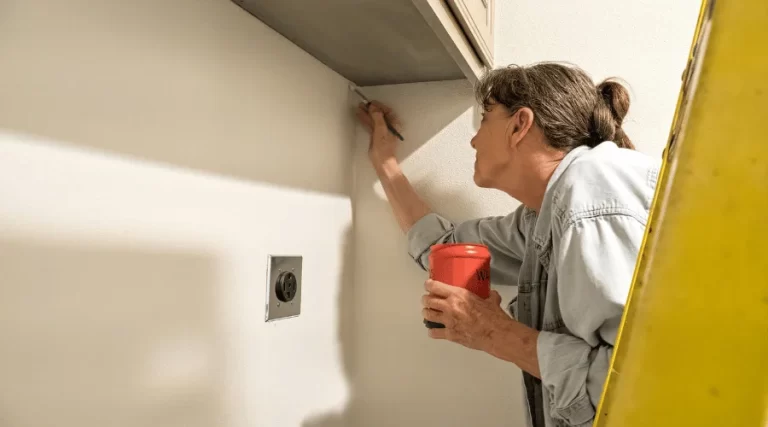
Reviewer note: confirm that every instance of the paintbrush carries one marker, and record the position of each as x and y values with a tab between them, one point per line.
368	103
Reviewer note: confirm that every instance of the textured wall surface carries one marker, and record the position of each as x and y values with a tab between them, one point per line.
403	378
645	43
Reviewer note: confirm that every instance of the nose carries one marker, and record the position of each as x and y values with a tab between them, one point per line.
472	141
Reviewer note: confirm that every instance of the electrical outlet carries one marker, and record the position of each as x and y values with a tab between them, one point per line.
283	287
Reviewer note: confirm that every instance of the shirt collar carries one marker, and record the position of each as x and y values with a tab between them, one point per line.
541	234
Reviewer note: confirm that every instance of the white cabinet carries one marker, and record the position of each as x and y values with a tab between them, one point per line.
476	18
374	42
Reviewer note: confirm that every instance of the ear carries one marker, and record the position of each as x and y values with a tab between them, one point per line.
519	125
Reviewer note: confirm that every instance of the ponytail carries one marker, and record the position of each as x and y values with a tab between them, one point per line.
610	109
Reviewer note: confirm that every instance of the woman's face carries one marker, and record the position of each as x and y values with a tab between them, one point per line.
493	151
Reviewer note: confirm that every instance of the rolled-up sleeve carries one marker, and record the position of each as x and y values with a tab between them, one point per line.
502	234
594	263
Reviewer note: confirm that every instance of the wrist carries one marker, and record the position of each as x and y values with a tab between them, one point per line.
514	342
386	166
499	339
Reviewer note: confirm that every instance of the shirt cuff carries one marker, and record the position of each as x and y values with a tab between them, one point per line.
564	366
427	231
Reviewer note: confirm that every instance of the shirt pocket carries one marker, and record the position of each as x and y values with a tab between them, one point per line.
555	324
525	306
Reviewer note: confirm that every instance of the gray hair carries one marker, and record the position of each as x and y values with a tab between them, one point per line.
566	104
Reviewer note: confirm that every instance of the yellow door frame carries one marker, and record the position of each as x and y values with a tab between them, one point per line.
693	345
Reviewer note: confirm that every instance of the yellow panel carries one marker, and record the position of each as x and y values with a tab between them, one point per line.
693	346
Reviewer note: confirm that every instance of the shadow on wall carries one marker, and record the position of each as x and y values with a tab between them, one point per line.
197	84
429	108
405	378
425	110
346	335
402	377
94	335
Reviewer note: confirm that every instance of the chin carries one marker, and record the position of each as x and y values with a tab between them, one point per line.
480	181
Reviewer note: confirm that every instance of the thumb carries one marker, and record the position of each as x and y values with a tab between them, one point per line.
377	115
495	298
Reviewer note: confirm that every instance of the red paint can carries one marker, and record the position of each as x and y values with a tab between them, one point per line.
466	265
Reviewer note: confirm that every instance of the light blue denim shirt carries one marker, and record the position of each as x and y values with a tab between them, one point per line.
573	265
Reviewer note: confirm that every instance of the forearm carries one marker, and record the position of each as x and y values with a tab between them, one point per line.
514	342
406	204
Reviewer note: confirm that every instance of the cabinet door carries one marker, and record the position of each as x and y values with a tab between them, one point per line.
444	23
476	18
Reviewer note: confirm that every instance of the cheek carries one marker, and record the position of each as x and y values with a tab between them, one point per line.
490	147
495	137
482	141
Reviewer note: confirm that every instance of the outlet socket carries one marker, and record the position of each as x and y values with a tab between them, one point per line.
283	297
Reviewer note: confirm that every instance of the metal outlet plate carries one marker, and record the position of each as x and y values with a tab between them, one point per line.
277	266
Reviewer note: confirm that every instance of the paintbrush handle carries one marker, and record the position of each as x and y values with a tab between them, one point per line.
394	131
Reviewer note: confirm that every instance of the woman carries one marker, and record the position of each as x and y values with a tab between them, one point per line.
552	140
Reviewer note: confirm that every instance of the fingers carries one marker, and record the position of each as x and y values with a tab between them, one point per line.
377	116
383	108
389	115
437	316
438	333
440	289
435	309
435	303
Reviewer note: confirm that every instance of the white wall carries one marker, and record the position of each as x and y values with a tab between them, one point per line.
148	166
403	378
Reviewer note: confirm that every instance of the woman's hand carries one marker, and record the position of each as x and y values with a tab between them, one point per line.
480	324
383	144
469	320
